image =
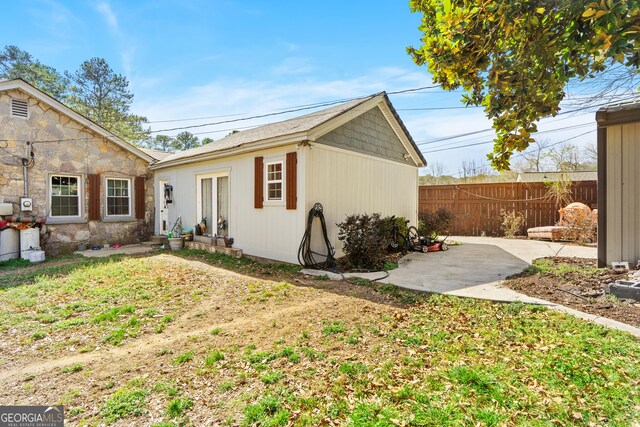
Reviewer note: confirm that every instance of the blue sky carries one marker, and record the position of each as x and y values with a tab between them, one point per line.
193	59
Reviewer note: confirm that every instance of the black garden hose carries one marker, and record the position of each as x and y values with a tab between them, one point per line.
306	256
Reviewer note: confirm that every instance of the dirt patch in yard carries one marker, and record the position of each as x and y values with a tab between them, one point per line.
262	345
576	283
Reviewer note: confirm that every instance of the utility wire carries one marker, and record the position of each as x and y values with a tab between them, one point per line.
293	110
561	113
526	153
489	142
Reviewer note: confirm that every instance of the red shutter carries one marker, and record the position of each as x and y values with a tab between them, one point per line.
258	183
292	180
139	196
93	189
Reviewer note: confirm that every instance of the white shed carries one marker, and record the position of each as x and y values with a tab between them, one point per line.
356	157
619	184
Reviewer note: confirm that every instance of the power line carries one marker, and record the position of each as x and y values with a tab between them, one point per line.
488	142
525	153
293	110
432	141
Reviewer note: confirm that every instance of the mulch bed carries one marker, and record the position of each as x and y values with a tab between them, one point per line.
575	289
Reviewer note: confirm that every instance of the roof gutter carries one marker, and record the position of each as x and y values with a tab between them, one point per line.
243	149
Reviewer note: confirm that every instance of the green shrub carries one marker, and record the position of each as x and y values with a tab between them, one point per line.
512	221
434	223
363	243
386	226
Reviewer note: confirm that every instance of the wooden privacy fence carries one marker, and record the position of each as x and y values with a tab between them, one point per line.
477	206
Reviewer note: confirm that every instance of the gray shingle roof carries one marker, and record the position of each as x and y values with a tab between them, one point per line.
273	130
156	154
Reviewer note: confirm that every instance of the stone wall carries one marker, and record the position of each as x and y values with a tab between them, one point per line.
369	133
62	145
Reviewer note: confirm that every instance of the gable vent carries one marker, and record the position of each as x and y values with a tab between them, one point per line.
19	108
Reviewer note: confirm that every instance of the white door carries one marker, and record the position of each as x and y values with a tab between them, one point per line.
213	203
164	210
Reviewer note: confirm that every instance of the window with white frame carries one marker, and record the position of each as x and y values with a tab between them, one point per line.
118	197
274	181
64	191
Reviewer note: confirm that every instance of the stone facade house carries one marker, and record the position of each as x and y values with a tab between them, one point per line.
86	185
258	185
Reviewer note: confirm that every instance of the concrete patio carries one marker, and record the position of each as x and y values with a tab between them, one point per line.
476	268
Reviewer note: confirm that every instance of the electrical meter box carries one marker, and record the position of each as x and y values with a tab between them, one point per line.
26	204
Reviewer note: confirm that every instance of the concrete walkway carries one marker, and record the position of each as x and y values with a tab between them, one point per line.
476	269
105	252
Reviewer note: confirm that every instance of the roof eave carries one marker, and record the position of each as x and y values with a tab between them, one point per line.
241	149
618	114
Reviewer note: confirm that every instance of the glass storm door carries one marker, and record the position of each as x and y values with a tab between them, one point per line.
164	210
213	203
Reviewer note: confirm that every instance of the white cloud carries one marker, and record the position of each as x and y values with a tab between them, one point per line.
249	97
230	99
292	66
110	17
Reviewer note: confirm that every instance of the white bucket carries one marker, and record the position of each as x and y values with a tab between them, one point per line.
176	243
36	256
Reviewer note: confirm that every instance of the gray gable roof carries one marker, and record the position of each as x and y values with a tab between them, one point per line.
291	127
156	154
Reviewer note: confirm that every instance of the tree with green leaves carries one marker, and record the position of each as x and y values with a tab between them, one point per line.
100	94
514	57
159	142
16	63
185	140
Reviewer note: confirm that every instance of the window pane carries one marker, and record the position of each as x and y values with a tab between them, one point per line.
118	197
274	171
274	191
207	204
118	206
65	196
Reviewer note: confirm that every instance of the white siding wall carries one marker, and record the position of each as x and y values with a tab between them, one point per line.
271	232
623	193
346	182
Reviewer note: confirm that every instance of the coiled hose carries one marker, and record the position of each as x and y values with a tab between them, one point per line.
306	256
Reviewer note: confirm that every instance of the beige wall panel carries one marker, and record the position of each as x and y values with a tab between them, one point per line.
349	183
623	198
271	232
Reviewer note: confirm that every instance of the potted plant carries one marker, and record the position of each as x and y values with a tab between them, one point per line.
175	243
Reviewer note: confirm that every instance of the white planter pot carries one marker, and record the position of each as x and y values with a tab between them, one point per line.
176	243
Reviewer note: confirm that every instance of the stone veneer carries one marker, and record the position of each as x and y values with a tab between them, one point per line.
80	152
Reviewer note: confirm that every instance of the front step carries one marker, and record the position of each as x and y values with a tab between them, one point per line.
234	252
156	241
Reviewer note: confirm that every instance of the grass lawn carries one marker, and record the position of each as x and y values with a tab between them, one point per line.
192	338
